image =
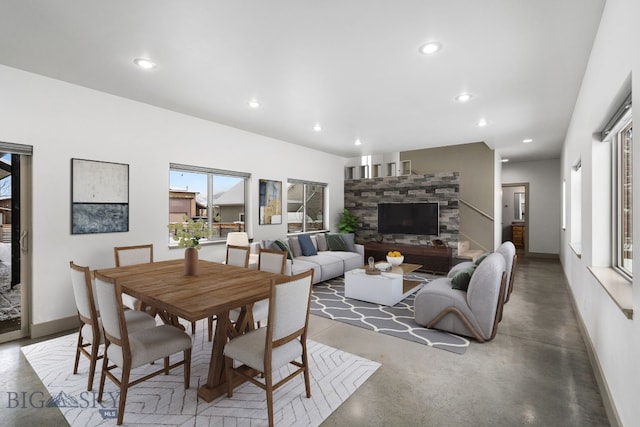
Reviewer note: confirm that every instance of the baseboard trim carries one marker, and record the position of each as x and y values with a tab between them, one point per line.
54	326
607	398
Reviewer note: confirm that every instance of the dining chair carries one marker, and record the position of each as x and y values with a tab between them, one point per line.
283	341
128	350
90	325
272	261
132	255
238	256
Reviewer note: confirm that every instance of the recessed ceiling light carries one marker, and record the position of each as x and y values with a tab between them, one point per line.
254	103
526	141
481	123
463	97
317	127
430	48
358	142
504	160
145	63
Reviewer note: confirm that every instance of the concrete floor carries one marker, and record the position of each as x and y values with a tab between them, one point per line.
535	372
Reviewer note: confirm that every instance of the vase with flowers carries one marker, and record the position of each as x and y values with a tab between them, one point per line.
188	234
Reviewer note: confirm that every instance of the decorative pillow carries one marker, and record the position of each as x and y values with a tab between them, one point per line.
294	244
350	241
462	278
481	258
269	244
321	239
336	242
284	246
307	245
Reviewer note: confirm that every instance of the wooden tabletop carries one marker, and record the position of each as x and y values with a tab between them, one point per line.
216	288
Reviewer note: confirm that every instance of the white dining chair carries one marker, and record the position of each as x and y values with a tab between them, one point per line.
239	257
132	255
90	334
272	261
128	350
283	341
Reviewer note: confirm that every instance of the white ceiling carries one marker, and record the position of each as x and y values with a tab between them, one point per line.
352	66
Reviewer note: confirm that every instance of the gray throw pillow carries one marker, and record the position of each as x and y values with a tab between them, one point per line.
321	240
308	249
350	241
294	244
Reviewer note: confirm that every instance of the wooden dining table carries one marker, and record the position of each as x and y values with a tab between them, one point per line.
213	291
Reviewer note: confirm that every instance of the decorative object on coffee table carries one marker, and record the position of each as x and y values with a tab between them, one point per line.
395	258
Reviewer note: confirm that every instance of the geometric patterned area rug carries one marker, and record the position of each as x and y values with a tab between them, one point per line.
328	300
163	401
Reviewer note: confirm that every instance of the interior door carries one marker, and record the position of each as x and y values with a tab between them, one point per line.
15	174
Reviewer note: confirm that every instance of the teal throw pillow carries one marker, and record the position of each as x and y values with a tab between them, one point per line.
284	246
462	278
306	245
336	242
481	258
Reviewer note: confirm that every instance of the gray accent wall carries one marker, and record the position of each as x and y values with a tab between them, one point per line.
361	197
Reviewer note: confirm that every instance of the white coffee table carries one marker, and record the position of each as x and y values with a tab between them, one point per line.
387	288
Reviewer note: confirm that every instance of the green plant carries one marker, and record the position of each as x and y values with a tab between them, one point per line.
189	232
348	222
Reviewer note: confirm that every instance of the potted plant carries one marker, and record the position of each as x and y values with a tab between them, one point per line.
188	234
348	222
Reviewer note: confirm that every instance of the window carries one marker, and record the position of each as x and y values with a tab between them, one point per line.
218	197
305	206
622	143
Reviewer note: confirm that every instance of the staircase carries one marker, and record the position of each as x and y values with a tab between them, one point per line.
466	252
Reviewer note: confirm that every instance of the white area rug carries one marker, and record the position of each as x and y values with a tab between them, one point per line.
162	400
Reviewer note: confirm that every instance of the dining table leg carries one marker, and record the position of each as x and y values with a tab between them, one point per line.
225	329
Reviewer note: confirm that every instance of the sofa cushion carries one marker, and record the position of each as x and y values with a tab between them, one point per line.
321	241
300	266
294	244
350	241
283	245
351	260
461	279
330	266
336	242
306	245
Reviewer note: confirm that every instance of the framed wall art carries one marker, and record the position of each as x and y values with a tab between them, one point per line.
270	208
99	197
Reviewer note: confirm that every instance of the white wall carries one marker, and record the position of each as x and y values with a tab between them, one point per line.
545	193
62	121
613	65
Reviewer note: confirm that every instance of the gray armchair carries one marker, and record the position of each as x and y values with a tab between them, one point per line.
473	313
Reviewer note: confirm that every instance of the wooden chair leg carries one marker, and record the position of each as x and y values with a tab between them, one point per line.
210	327
268	382
193	328
92	365
103	375
75	366
124	387
305	362
228	373
187	368
166	365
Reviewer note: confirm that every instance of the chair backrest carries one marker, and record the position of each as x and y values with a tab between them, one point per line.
131	255
238	238
289	308
83	292
508	251
272	261
238	255
111	310
485	294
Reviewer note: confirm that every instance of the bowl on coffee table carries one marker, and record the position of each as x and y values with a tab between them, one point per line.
395	260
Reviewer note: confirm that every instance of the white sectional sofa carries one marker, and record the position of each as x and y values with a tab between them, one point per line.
326	263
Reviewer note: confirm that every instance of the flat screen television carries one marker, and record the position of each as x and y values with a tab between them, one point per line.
409	218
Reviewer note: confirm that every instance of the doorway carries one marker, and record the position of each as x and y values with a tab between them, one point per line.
15	173
515	215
